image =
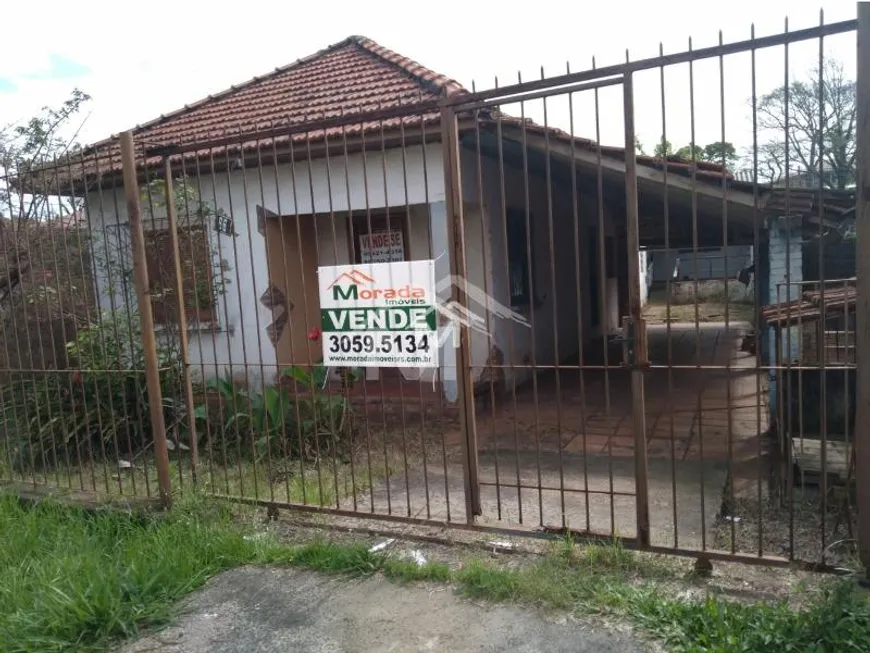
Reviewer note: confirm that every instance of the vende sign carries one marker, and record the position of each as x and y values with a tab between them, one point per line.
379	314
382	247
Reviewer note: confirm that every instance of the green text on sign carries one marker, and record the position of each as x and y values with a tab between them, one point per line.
393	318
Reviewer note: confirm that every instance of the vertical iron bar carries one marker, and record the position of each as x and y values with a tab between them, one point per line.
580	239
702	380
668	328
728	344
455	230
484	217
603	304
823	374
128	299
784	389
143	295
172	217
756	253
276	387
530	271
403	147
285	437
439	374
548	178
214	303
511	347
636	310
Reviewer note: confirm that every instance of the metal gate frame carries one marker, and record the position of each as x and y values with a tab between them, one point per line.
636	354
635	332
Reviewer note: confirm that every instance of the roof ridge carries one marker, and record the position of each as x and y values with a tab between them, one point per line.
232	89
434	81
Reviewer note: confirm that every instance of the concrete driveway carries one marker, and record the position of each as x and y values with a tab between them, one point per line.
265	610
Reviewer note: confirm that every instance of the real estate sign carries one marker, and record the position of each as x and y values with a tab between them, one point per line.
379	314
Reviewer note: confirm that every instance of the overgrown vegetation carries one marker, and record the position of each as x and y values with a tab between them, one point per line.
97	410
306	424
77	581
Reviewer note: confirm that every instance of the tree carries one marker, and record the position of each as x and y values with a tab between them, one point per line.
717	152
25	149
663	149
30	146
638	147
820	129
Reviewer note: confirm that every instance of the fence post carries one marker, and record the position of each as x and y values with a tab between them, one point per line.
146	319
458	271
862	302
172	216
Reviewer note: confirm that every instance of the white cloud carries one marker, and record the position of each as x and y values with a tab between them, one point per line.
144	63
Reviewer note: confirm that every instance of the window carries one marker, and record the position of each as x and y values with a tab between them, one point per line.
196	274
518	245
380	238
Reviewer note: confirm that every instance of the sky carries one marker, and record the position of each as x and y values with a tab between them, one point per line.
154	57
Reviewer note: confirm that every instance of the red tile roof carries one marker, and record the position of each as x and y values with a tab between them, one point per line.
354	75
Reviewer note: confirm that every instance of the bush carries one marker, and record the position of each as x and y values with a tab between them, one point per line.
97	408
275	421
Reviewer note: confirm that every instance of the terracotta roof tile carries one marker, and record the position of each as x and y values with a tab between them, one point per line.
354	75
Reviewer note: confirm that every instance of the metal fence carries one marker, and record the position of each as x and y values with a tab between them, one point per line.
170	336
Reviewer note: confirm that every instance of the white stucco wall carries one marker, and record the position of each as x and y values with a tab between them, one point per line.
303	188
643	264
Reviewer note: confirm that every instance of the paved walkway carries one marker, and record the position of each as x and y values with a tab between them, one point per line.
687	398
264	610
567	459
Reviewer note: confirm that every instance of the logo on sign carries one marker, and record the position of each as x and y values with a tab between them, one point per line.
361	286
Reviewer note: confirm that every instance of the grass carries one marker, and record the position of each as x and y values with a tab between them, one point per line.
77	581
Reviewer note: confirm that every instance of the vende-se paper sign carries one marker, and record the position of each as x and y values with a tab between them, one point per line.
379	314
384	247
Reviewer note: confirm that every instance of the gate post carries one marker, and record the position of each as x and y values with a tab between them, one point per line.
146	319
458	271
862	301
638	359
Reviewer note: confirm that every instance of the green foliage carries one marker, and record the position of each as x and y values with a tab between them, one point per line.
73	581
717	152
274	421
25	147
838	620
97	408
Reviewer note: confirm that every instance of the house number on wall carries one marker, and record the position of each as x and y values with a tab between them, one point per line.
224	225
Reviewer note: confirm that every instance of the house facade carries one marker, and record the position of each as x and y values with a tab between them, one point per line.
543	228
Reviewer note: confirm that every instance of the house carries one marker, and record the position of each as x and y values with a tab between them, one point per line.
711	264
277	179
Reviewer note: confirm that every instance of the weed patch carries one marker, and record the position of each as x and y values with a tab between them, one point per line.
72	580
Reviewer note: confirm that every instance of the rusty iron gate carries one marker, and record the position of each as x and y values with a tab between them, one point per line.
707	410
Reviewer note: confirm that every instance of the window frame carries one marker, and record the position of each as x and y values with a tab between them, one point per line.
164	308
